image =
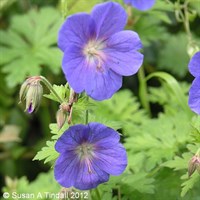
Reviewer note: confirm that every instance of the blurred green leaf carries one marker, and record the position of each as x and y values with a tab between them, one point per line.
164	6
28	45
38	189
150	29
173	55
81	6
4	4
10	133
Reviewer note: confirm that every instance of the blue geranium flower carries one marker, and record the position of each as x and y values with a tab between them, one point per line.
88	154
194	93
141	4
97	52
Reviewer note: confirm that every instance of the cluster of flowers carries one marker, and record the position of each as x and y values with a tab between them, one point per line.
97	53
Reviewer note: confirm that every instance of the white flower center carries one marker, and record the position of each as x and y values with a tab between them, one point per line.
85	153
93	51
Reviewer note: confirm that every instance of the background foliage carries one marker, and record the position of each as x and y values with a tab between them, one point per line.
157	128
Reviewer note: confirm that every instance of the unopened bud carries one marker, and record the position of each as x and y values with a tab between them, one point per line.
31	91
60	118
194	164
33	97
23	90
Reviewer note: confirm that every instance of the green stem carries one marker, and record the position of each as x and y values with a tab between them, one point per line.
198	152
143	91
50	87
186	21
119	193
64	8
97	193
87	112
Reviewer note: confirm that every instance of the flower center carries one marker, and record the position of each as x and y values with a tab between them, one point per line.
85	153
93	51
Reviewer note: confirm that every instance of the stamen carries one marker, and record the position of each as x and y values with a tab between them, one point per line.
88	163
99	65
85	153
93	51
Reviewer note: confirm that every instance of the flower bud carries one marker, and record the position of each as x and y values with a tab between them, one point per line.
60	118
23	91
194	164
33	97
31	91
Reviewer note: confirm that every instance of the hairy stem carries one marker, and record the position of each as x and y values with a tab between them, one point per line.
50	87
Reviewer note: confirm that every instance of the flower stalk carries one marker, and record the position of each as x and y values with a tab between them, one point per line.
143	90
66	109
50	87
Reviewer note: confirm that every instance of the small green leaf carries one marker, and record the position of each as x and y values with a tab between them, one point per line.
179	162
189	183
47	153
61	90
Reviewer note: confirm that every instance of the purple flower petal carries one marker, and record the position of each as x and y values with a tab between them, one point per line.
141	4
99	84
110	18
77	29
194	65
74	136
86	180
88	154
112	160
122	54
30	108
102	84
97	52
105	137
74	65
194	96
66	169
127	1
124	41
